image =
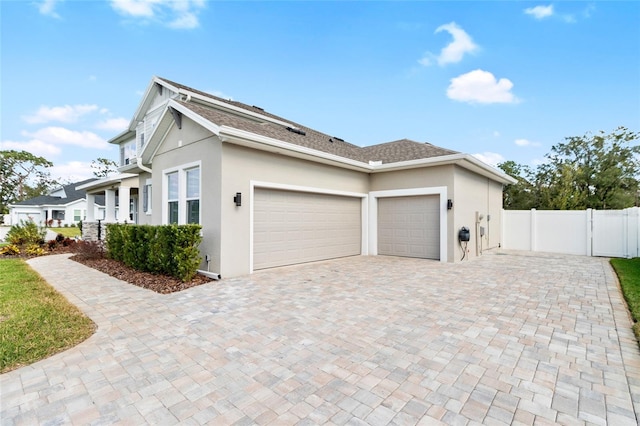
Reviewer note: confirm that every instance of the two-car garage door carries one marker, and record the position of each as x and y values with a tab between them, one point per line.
292	227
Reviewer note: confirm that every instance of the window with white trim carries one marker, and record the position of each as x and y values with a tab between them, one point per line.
146	197
172	197
193	195
182	195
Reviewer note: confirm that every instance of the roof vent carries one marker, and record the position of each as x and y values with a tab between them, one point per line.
257	107
296	130
337	139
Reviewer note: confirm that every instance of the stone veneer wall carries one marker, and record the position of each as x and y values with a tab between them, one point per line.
90	231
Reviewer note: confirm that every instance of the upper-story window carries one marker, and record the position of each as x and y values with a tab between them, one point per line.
182	194
127	153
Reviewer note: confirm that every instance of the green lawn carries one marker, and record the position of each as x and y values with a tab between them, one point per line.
35	320
628	271
67	232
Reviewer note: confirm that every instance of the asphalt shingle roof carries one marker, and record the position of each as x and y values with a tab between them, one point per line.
390	152
71	195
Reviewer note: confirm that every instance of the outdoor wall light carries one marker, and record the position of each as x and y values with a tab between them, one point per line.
449	204
238	199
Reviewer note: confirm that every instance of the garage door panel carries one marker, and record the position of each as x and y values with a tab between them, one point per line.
409	226
296	227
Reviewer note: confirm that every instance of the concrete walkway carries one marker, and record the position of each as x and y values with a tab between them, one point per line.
510	338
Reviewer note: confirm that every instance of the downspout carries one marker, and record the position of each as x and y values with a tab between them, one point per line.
144	168
207	273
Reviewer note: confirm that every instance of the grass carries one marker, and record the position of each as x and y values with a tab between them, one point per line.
628	271
72	231
35	320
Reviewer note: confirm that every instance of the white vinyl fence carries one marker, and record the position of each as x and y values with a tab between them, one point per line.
609	233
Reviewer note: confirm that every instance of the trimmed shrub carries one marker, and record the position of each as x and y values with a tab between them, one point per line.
168	249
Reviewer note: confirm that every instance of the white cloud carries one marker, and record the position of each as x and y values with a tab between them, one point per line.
73	171
64	114
219	94
61	136
453	52
186	21
496	134
46	7
540	12
481	86
490	158
34	146
136	8
525	142
113	124
177	14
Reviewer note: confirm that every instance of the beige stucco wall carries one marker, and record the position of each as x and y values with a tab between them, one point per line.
229	245
144	218
242	165
184	146
475	193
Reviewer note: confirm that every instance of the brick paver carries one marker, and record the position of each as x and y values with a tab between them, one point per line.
510	338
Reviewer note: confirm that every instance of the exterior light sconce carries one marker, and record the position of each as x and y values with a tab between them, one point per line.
449	204
238	199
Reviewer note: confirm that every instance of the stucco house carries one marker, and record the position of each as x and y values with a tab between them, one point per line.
270	192
66	204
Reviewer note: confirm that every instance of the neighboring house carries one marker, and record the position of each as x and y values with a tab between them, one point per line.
270	192
65	205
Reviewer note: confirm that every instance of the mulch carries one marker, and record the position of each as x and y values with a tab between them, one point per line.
162	284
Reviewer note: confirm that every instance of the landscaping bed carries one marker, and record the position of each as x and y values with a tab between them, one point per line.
159	283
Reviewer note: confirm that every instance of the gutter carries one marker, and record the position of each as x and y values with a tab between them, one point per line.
143	167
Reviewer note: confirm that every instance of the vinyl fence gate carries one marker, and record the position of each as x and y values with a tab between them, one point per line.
607	233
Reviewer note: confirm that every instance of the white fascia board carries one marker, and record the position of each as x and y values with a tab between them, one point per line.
235	108
151	148
264	143
142	107
123	137
106	181
463	160
141	110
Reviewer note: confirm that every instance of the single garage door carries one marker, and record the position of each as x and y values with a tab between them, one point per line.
296	227
409	226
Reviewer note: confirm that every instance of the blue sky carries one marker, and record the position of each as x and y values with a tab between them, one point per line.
503	80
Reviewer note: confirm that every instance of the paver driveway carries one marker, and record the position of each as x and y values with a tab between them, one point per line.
510	338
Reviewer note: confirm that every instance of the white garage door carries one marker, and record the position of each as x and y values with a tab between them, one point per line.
409	226
296	227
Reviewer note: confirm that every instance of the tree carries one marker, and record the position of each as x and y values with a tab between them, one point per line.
22	176
592	171
522	194
103	167
602	168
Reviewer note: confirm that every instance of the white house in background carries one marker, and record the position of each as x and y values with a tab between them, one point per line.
66	204
270	192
